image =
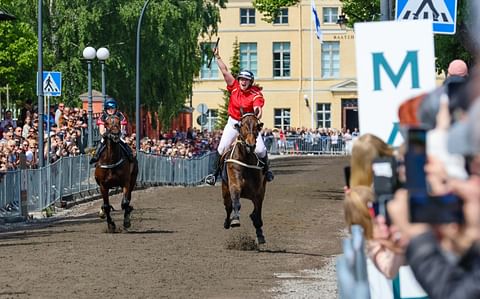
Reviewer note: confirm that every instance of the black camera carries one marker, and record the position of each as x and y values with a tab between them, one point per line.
385	183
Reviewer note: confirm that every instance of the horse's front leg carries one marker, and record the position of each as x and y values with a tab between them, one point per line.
127	194
256	217
235	201
227	202
107	208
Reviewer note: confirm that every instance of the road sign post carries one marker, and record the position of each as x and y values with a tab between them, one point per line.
52	84
443	13
202	118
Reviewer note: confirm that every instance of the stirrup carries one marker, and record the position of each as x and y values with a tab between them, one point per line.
269	176
211	179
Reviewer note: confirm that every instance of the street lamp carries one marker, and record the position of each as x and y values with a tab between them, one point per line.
342	21
89	55
137	80
102	55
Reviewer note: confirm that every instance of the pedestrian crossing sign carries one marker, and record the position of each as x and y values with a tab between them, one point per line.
52	84
443	13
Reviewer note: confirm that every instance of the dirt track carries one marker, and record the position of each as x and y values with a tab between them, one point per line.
177	246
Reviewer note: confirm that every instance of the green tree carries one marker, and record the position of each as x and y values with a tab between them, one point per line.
170	54
447	47
17	60
270	8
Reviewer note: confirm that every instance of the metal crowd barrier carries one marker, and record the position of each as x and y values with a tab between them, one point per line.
307	145
71	177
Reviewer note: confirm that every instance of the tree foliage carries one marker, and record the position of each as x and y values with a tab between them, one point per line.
18	57
447	47
170	54
270	8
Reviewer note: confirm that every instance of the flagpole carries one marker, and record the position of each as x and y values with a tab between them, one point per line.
311	68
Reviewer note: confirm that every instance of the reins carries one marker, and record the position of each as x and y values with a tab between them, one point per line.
232	160
241	140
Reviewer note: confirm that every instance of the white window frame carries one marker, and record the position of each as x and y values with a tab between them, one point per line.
249	57
285	114
284	60
282	17
247	16
330	59
330	15
212	117
207	73
324	115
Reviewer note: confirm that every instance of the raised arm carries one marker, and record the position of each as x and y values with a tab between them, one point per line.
229	79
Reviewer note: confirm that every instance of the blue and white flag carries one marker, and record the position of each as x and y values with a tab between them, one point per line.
318	30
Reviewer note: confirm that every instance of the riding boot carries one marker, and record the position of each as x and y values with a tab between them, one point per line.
211	179
98	151
268	173
127	151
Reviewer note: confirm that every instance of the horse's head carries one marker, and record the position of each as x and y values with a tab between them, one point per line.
113	127
249	127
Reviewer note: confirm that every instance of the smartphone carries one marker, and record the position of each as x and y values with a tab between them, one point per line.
385	184
425	208
346	173
415	160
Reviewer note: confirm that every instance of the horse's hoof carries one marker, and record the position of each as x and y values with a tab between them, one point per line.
261	240
127	224
111	227
235	223
226	224
101	214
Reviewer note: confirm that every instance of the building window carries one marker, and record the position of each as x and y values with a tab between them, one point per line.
330	60
330	14
248	57
212	117
205	72
281	59
282	118
324	115
282	17
247	16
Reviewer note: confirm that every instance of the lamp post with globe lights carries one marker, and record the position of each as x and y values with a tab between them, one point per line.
103	54
89	54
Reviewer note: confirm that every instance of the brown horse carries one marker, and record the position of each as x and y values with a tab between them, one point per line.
113	169
244	176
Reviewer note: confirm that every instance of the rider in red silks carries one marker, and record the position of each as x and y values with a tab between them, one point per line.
110	108
244	98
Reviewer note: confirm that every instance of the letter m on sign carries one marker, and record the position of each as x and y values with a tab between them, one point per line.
410	59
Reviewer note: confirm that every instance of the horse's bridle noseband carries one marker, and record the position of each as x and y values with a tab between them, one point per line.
250	130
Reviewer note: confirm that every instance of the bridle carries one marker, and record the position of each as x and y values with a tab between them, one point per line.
113	130
252	130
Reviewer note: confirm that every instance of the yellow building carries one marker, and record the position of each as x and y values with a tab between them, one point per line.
296	71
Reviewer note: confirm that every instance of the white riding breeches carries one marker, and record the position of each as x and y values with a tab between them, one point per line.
230	134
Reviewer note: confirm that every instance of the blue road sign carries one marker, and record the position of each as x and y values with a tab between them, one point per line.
52	84
443	13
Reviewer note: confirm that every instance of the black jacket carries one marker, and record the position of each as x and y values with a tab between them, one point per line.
438	276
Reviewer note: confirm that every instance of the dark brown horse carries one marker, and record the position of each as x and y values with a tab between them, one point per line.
114	169
244	175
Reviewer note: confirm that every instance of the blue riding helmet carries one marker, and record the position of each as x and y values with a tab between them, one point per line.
110	103
246	75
